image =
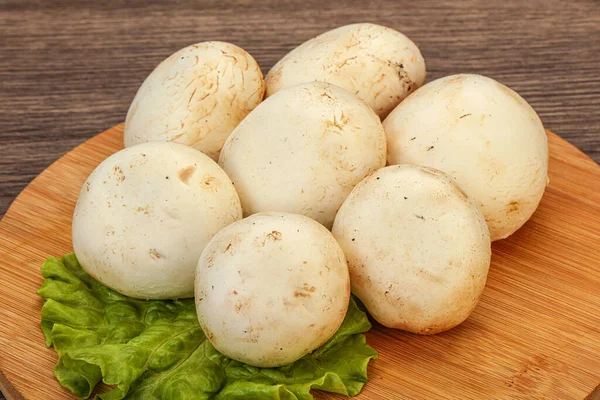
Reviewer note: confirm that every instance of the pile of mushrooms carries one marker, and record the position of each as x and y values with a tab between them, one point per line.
264	210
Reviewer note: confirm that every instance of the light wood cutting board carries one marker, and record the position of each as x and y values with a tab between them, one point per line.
534	335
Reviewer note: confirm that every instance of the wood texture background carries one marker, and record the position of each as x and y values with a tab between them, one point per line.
69	68
534	334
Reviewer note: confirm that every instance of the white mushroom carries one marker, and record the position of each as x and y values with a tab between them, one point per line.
482	134
378	64
145	214
196	97
418	249
271	288
302	151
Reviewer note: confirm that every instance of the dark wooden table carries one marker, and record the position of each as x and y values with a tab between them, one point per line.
69	68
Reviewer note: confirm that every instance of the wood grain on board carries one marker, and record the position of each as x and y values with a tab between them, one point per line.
70	68
535	333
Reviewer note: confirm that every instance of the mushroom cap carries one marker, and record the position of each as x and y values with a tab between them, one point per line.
145	214
418	249
196	97
303	150
271	288
484	135
378	64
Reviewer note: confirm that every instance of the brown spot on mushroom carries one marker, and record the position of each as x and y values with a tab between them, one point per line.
209	335
304	291
272	236
118	174
332	126
209	180
404	78
287	303
211	183
343	118
241	305
210	262
513	206
184	174
154	254
145	210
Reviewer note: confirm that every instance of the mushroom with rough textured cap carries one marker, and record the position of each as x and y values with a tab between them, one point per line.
484	135
144	215
418	249
196	97
378	64
302	151
271	288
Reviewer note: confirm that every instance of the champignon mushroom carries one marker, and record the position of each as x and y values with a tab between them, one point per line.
271	288
482	134
418	248
302	151
378	64
145	214
197	96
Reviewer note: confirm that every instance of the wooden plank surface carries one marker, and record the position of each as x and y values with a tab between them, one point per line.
70	68
535	333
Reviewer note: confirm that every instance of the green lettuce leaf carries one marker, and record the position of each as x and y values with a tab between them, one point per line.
156	349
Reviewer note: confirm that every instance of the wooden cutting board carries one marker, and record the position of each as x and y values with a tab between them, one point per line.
534	335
